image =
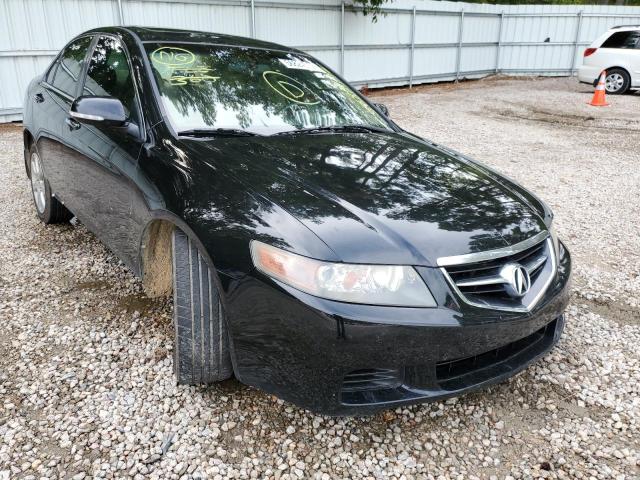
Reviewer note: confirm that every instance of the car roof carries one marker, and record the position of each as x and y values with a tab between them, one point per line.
624	28
158	34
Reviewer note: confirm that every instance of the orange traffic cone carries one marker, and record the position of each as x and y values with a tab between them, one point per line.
599	99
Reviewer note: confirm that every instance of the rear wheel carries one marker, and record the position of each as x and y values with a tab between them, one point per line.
48	208
201	354
617	81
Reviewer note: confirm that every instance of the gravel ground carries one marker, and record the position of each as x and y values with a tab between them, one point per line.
86	383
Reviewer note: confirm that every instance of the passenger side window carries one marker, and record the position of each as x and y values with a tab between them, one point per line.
623	40
109	75
69	66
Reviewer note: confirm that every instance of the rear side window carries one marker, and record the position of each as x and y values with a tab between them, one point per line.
109	75
67	71
623	40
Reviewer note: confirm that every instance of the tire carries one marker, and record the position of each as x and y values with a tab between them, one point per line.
48	208
617	81
201	353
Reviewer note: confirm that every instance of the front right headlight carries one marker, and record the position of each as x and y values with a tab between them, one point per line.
397	285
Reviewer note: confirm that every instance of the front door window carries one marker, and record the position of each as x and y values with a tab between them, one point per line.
67	71
109	75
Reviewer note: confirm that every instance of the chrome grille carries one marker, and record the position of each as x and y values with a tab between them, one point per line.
480	283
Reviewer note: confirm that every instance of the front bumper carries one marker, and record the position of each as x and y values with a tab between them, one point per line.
344	359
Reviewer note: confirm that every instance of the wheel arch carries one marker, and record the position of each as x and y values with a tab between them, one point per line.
27	139
155	257
618	67
156	252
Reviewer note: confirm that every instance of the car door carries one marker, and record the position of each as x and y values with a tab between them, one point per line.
635	61
103	167
622	49
51	104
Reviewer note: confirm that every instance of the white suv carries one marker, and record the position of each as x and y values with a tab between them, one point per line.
618	52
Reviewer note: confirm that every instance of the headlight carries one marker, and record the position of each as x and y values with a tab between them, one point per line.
344	282
548	219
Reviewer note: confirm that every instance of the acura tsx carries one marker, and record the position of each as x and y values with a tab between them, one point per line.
313	248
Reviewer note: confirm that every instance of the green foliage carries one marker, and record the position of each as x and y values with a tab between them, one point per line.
371	7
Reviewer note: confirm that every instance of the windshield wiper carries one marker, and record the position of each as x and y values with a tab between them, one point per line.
337	128
212	132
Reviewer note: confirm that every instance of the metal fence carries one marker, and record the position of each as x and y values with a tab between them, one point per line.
416	41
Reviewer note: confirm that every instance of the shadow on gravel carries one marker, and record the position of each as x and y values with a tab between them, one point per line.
619	312
139	302
557	117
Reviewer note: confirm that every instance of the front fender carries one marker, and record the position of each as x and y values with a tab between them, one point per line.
217	210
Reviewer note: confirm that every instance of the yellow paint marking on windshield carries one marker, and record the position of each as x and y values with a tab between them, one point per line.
172	56
178	64
290	88
191	76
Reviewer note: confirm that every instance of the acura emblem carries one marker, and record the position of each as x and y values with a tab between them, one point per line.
516	279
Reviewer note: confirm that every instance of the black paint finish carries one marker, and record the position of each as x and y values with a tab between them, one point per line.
387	198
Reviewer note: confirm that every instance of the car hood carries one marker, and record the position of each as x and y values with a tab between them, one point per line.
380	198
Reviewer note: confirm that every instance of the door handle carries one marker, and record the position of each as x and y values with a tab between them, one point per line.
38	98
72	124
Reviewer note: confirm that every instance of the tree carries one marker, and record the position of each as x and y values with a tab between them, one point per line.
371	7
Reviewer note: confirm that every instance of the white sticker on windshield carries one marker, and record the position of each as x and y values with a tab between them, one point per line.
300	64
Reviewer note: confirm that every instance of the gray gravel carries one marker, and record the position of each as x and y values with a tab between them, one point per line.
86	383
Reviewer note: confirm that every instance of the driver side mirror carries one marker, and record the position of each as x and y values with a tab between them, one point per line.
107	111
383	108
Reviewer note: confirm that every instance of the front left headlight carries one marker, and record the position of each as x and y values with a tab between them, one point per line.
548	219
397	285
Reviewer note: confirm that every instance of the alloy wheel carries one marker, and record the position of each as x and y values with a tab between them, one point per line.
37	183
614	82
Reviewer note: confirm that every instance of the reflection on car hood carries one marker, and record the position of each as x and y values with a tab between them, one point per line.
381	198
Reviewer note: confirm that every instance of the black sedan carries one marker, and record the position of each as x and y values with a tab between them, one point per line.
313	248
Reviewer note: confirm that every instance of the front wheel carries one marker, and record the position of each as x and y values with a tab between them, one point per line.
48	208
201	354
617	81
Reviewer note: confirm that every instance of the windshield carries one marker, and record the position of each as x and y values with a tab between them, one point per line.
260	91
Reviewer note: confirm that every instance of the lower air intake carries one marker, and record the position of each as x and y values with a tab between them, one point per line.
462	372
371	379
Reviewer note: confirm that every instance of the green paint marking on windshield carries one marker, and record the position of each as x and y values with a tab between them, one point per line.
290	88
172	56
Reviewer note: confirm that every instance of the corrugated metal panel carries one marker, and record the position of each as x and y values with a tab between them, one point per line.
548	58
478	59
329	57
440	29
376	65
480	29
298	27
434	61
32	31
390	30
234	20
50	24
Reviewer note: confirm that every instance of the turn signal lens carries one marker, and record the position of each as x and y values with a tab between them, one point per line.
589	51
354	283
